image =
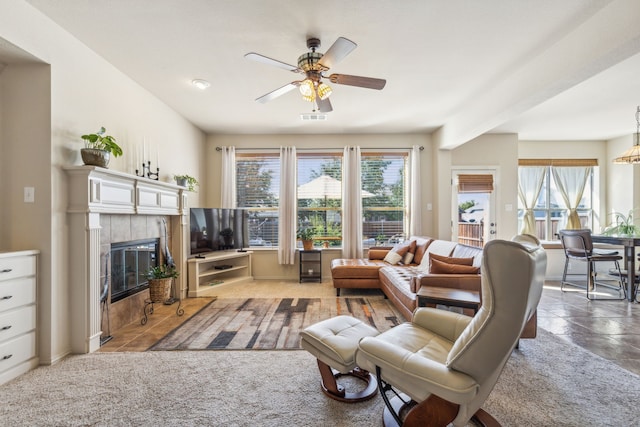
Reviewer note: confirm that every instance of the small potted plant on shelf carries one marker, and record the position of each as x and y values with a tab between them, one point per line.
306	235
160	278
186	181
99	148
226	234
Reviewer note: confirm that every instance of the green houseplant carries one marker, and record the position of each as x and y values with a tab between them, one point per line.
622	225
98	148
186	181
306	235
160	278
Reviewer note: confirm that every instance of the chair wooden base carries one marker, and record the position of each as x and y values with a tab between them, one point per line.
433	412
331	388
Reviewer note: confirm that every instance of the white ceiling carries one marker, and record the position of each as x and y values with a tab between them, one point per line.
545	69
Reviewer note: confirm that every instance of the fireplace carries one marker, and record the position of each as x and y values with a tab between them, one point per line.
129	263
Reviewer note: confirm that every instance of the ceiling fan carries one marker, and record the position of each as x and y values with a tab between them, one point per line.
313	65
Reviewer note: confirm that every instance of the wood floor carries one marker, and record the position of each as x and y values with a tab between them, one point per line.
610	329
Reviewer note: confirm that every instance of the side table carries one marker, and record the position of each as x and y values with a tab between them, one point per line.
448	296
311	266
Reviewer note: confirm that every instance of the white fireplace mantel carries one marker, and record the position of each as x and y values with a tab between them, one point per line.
94	191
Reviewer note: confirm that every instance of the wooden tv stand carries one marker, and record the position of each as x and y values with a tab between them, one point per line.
204	276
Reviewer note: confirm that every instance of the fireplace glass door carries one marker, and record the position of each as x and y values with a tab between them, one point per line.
129	263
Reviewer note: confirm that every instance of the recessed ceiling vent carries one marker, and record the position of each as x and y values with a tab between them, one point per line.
313	117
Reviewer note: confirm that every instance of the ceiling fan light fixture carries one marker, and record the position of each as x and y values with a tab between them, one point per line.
632	155
324	91
307	88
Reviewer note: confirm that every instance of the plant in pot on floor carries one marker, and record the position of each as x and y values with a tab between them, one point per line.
186	181
98	148
160	279
306	235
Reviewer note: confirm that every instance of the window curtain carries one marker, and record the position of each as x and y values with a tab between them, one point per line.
287	209
228	181
351	203
570	182
415	199
530	180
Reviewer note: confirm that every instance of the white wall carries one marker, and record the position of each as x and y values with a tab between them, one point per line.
85	93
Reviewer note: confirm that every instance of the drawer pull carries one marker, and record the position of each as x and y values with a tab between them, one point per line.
6	297
6	270
8	356
4	328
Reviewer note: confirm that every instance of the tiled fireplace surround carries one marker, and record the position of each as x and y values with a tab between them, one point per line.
107	206
123	228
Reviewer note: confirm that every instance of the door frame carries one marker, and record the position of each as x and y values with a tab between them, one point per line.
490	231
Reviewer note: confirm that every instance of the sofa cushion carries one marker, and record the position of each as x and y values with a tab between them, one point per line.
439	267
466	251
396	255
452	260
393	257
408	258
356	268
438	247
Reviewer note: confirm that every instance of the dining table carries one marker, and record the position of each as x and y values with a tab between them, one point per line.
629	243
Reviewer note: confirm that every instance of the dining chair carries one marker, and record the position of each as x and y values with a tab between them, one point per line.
578	246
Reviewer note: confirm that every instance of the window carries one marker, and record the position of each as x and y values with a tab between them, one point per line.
550	210
320	195
383	197
258	184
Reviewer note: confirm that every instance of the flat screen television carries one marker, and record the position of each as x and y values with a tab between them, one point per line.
218	229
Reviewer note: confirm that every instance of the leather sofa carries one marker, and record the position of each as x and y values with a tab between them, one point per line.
400	282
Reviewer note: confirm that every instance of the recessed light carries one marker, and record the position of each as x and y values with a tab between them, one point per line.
200	84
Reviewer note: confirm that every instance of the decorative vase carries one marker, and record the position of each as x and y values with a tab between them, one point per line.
182	182
307	245
95	157
159	289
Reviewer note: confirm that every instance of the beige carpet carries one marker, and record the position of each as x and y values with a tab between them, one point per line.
271	323
547	382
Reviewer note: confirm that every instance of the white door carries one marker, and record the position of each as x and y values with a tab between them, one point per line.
474	206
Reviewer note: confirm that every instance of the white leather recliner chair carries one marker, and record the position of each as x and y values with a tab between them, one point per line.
448	363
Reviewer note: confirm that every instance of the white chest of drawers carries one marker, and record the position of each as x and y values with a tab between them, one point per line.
18	278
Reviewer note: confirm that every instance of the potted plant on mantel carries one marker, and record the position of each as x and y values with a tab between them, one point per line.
160	278
306	235
98	148
186	181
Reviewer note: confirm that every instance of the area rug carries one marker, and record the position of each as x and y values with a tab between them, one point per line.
270	324
547	382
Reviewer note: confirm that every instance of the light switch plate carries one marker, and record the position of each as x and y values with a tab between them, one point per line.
29	194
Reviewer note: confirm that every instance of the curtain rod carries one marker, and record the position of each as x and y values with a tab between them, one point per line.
315	149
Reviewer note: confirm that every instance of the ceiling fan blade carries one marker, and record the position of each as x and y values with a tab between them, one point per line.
337	52
366	82
266	60
278	92
324	105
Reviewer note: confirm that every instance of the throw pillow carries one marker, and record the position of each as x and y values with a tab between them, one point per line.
407	258
393	257
420	251
451	260
439	267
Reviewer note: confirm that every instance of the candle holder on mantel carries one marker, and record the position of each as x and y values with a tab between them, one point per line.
146	171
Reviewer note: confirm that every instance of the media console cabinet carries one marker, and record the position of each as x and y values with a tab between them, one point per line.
218	268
